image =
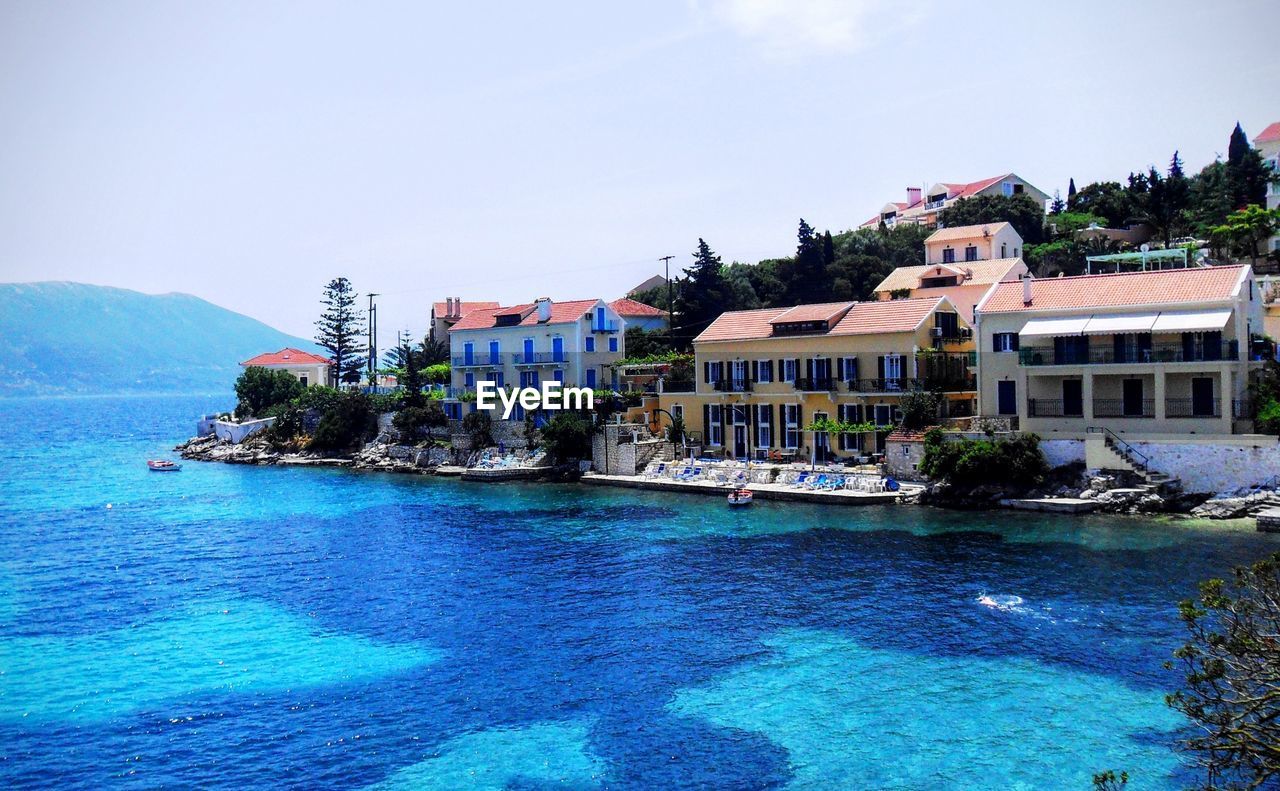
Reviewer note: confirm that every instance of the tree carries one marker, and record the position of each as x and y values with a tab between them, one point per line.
1232	685
567	437
415	422
702	293
1246	230
477	425
1071	194
803	275
640	342
920	408
1058	206
1021	211
1108	200
975	462
339	329
412	378
349	422
258	389
1247	172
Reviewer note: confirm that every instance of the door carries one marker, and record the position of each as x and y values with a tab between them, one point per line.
528	350
557	349
468	353
1073	397
1007	397
821	439
1133	398
1202	396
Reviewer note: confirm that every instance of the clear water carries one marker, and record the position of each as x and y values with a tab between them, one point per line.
244	627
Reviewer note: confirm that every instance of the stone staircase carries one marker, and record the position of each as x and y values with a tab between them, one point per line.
1107	451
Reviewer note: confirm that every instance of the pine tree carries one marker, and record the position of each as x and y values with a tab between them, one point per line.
339	330
1247	173
412	375
1238	145
808	282
1071	194
1058	206
701	297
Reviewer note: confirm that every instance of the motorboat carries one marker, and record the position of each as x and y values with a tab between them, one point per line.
163	465
739	497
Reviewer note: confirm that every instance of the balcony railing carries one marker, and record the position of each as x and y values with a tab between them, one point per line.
732	385
1190	407
608	326
1054	407
678	386
1107	355
886	385
815	384
538	358
1123	407
485	360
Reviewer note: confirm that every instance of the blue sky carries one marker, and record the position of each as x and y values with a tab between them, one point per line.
247	152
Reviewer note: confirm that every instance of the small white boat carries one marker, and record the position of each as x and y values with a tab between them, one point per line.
739	497
163	465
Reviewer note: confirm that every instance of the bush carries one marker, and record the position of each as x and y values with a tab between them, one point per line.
416	422
920	408
258	389
567	436
286	430
346	424
1268	419
974	462
477	425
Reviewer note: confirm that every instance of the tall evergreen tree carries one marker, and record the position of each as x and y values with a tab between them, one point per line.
412	381
1058	206
1071	194
807	278
702	294
339	329
1247	173
1237	146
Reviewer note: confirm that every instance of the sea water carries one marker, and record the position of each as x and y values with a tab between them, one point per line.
251	627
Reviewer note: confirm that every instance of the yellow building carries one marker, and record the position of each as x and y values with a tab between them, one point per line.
1150	353
763	376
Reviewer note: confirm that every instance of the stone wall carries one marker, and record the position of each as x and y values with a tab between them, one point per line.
902	457
1060	452
1213	467
510	433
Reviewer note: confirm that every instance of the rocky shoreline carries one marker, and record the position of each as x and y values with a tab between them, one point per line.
381	455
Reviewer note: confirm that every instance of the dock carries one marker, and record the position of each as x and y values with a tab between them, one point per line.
762	491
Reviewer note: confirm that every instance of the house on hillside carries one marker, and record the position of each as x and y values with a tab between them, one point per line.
448	313
638	314
1137	353
961	263
309	369
572	342
763	376
922	205
1268	144
657	281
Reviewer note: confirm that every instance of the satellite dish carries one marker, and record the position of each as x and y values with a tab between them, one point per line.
1145	247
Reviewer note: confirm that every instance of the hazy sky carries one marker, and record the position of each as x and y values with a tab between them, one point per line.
247	152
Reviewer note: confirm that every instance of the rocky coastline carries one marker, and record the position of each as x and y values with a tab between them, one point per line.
383	454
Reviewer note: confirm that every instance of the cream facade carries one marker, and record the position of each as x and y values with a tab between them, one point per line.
522	346
763	376
923	204
1142	353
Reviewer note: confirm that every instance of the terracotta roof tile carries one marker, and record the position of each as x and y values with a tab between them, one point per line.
823	311
561	313
629	307
966	232
981	273
1269	134
441	309
1167	286
862	318
287	356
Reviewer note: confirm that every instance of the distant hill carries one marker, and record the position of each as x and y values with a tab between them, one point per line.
72	338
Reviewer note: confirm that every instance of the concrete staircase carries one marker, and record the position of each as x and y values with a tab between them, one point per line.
1104	450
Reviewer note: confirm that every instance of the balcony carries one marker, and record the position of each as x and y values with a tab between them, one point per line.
1107	355
732	385
1124	407
816	384
678	386
608	326
539	358
895	385
478	361
1054	407
1190	407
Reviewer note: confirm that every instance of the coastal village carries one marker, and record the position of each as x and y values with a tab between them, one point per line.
1143	383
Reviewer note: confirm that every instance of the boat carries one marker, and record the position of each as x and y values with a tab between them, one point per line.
163	465
739	497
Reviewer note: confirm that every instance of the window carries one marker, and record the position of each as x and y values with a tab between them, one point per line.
468	380
495	353
557	349
948	256
788	370
303	380
850	413
1004	342
558	375
892	371
1006	188
714	436
791	425
764	370
1003	253
714	371
591	343
517	413
764	425
499	380
453	410
677	411
738	372
591	378
528	378
468	353
613	343
848	368
971	253
883	415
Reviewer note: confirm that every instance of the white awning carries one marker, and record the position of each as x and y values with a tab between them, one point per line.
1046	328
1192	320
1120	323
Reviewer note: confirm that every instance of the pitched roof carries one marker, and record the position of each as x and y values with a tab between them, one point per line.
861	318
980	273
561	313
442	308
821	311
1161	287
287	356
629	307
954	192
966	232
1269	134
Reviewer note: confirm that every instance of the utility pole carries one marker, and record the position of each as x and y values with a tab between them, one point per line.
671	305
373	341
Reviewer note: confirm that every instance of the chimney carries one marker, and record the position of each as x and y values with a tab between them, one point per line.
448	307
913	195
544	308
1026	289
457	307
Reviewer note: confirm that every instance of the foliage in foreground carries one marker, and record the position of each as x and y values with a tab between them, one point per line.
1016	461
350	422
567	436
259	389
416	423
1232	686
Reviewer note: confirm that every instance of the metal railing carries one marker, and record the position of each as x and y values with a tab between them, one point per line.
886	385
538	358
1124	407
732	385
1108	355
816	384
678	386
608	326
478	361
1131	454
1054	407
1191	407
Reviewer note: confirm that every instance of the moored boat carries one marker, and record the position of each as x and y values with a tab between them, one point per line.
163	465
739	497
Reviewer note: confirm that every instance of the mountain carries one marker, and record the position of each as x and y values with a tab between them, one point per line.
72	338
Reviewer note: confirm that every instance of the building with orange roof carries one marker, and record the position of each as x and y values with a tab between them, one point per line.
922	205
1139	353
448	313
763	376
309	369
638	314
574	342
961	263
1268	144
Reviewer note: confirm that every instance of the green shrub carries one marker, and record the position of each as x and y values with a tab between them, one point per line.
1268	419
920	408
1017	461
477	425
567	436
347	424
415	423
259	389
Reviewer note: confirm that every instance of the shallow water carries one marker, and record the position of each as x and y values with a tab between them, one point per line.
242	627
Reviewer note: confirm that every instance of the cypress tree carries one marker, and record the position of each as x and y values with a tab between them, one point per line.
338	331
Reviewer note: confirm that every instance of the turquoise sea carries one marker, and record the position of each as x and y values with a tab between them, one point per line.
245	627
